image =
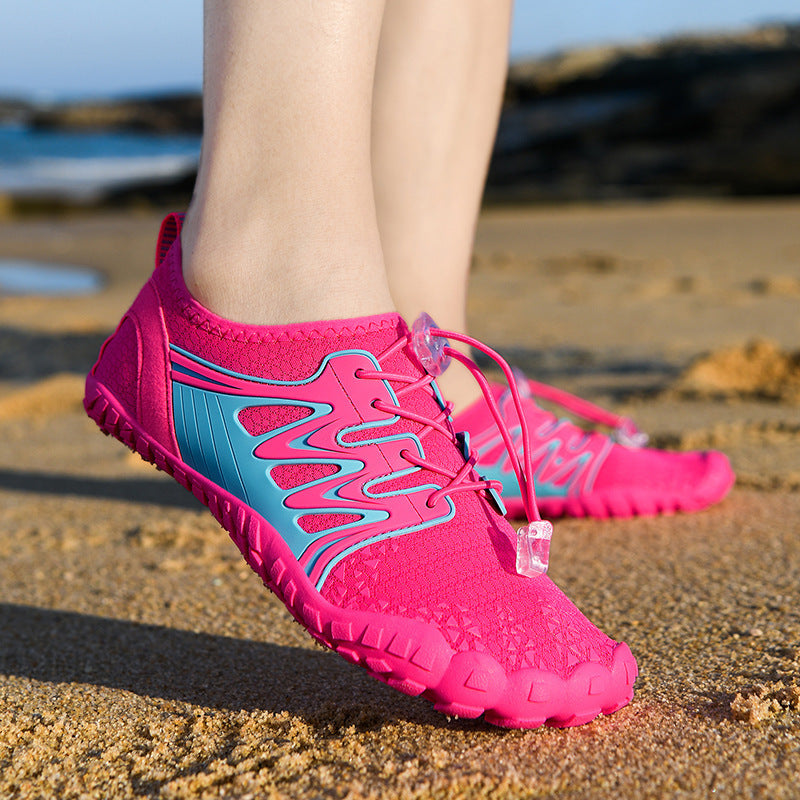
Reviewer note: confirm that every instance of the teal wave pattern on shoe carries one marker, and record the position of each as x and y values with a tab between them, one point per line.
326	451
207	402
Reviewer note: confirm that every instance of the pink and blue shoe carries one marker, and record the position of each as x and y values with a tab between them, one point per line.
583	473
327	452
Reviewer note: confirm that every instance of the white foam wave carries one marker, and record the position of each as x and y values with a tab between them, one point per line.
89	178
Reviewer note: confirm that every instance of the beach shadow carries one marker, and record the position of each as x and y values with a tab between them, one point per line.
625	376
156	492
202	669
711	705
31	355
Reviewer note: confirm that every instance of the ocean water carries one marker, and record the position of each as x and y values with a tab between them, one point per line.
86	166
22	277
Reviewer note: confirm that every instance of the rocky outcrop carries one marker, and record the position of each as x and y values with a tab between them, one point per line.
176	113
715	115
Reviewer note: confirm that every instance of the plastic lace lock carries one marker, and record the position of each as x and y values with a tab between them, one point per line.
533	548
628	435
429	349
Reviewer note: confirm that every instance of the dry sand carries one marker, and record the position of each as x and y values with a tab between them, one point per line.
139	657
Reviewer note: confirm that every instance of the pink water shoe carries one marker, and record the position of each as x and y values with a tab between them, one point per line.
327	452
582	473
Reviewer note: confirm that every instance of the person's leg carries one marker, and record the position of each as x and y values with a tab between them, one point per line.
440	75
284	188
323	446
439	82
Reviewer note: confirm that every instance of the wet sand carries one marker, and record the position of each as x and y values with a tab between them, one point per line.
140	657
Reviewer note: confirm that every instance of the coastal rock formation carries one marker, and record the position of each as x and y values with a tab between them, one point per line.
712	115
174	113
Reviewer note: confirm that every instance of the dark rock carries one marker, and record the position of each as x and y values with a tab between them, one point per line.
14	110
178	113
693	115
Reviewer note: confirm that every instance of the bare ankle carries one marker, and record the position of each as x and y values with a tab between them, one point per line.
256	271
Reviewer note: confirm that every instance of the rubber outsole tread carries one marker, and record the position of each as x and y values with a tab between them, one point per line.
392	656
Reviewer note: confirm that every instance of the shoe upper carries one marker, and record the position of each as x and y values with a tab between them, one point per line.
588	469
308	424
567	459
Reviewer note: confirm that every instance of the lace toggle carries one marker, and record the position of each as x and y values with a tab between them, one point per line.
533	547
628	434
429	349
429	344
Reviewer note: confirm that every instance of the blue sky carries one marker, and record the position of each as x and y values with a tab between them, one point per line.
56	48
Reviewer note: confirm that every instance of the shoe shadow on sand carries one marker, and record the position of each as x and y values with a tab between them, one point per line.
31	355
614	374
205	670
158	491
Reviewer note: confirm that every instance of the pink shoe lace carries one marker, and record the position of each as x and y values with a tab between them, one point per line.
430	345
625	431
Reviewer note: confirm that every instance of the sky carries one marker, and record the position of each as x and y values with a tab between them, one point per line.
71	48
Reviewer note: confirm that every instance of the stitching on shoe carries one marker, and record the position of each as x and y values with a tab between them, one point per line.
185	303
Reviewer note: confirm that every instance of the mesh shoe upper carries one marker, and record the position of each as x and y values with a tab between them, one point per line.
312	420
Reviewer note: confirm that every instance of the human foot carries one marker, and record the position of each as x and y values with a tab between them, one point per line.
579	473
327	453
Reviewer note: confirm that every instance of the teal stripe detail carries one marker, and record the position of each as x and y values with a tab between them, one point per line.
395	492
192	374
199	411
511	488
390	534
190	424
229	469
223	450
208	446
180	423
543	489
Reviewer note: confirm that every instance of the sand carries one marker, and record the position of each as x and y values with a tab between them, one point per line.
139	657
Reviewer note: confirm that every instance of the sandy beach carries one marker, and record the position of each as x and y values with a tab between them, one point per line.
140	657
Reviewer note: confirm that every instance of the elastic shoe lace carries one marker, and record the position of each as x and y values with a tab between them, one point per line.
459	481
432	350
624	429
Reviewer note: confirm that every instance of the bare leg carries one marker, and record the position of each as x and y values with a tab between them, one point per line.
282	226
438	87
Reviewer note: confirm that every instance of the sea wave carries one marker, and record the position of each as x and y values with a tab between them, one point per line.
85	166
89	178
